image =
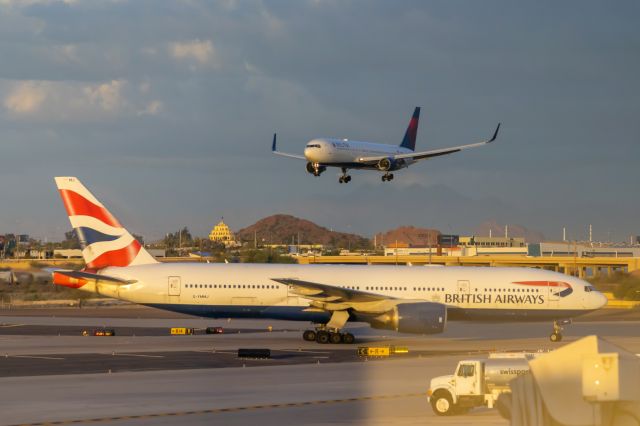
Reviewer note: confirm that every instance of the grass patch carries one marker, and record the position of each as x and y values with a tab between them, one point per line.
623	285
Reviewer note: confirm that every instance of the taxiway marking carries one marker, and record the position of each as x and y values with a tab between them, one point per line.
228	410
34	357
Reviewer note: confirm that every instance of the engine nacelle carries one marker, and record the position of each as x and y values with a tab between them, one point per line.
417	318
389	164
315	169
385	164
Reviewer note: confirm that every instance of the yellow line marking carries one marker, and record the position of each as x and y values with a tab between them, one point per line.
138	355
228	409
12	325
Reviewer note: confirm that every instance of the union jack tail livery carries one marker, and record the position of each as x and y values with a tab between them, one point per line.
104	241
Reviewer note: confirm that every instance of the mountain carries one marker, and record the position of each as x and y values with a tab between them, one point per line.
414	237
497	230
287	229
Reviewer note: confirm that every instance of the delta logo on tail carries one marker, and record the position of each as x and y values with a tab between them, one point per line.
564	289
104	241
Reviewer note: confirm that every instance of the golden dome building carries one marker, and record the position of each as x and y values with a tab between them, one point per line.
222	234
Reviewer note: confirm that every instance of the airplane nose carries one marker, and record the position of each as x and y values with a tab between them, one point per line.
601	300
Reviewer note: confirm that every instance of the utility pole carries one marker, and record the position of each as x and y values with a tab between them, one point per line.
590	233
564	233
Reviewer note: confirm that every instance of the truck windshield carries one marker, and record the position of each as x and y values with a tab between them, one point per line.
466	370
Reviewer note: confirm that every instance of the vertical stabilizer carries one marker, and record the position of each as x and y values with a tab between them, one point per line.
409	140
103	240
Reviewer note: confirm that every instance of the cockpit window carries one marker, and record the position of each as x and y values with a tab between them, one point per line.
313	145
589	288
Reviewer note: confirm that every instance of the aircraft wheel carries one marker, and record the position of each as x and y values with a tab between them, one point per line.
348	338
384	178
322	337
555	337
335	338
390	176
309	335
347	179
341	180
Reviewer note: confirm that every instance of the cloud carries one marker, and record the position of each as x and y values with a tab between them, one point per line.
62	101
106	95
152	108
195	51
26	97
24	3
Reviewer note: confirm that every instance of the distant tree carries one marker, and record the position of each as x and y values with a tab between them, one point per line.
71	240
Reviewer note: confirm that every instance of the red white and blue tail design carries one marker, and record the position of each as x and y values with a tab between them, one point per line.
409	140
103	240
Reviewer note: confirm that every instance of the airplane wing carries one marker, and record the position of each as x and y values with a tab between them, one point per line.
284	154
327	293
429	154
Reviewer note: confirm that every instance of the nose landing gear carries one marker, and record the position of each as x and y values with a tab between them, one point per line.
556	336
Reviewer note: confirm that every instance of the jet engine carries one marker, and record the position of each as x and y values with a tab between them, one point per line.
315	169
389	164
417	318
385	164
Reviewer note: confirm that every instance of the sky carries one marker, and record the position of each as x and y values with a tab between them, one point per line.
165	110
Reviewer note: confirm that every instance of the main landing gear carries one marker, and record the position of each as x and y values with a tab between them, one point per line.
345	178
330	332
387	177
556	336
325	336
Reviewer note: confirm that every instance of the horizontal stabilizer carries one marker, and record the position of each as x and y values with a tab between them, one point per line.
77	279
284	154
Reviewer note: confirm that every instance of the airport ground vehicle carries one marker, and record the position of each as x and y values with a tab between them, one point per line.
476	382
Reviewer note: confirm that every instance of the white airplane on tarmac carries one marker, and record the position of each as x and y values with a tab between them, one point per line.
401	298
327	152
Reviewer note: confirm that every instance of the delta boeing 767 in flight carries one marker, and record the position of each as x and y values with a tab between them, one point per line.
346	154
406	299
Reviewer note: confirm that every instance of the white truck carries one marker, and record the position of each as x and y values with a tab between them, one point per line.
476	383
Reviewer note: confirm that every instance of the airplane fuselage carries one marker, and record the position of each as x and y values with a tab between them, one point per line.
249	290
345	153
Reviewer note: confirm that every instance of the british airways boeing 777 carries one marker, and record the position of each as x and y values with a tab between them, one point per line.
401	298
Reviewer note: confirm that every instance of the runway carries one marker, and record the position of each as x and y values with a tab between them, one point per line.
50	373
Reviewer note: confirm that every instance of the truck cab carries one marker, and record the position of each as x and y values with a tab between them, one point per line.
476	383
457	393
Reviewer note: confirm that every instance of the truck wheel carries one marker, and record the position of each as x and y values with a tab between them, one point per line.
442	404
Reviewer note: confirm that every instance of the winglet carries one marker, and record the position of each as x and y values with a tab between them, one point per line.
493	138
273	145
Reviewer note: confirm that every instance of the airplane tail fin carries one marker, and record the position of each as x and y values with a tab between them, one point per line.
103	240
409	140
